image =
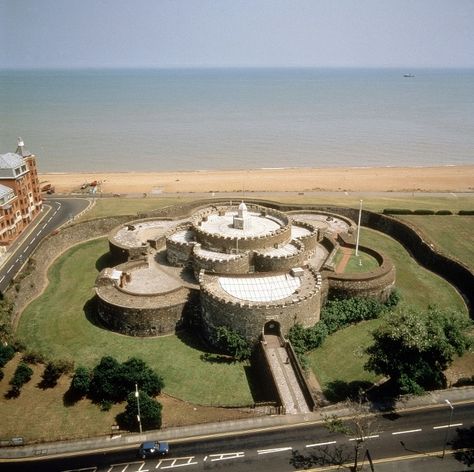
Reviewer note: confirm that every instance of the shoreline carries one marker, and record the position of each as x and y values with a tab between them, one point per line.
446	178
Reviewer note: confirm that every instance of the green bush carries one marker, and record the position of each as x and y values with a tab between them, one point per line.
150	413
22	375
337	314
33	357
397	211
422	211
466	212
6	354
112	381
232	343
81	381
444	212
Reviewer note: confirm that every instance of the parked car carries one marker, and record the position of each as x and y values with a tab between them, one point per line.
152	449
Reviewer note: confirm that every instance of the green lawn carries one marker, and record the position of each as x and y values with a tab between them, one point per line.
339	362
55	324
357	264
418	286
452	235
128	206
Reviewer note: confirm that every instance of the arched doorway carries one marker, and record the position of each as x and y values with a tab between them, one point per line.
272	327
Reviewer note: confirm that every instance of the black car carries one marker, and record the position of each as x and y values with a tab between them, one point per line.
152	449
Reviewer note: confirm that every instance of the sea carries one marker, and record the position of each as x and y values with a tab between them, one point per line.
198	119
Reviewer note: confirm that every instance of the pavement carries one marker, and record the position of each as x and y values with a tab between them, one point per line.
129	440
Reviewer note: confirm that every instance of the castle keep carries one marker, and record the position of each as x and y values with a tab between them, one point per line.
247	267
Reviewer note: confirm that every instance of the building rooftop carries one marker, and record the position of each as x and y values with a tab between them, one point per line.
10	160
257	225
260	289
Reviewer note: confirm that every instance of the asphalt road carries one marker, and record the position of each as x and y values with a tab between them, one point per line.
56	212
414	434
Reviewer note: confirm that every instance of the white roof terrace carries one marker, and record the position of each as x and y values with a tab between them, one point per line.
260	289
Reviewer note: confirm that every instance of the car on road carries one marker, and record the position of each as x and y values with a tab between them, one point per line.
152	449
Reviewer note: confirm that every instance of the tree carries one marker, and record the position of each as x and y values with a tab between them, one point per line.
150	413
112	381
81	381
6	354
232	343
414	347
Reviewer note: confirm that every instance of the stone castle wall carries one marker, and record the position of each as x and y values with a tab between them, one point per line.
249	318
272	263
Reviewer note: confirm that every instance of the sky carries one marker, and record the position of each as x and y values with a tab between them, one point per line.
236	33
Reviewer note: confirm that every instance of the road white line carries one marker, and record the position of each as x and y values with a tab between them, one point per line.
1	280
226	456
174	462
33	240
11	267
50	218
38	233
407	431
26	249
271	451
321	444
447	426
44	226
123	466
363	438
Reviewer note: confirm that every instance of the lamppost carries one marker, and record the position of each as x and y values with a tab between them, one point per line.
137	395
358	229
449	426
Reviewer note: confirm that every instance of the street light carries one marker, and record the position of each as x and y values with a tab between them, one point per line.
358	229
449	426
137	395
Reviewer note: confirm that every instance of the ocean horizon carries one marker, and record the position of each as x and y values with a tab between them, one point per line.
121	120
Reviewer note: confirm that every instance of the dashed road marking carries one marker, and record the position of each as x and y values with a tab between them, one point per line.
271	451
178	462
11	267
1	280
50	218
321	444
44	226
124	466
363	438
407	431
33	240
226	456
447	426
86	469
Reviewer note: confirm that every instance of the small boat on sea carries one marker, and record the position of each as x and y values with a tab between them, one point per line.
408	75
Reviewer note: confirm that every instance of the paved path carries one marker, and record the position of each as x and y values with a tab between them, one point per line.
292	396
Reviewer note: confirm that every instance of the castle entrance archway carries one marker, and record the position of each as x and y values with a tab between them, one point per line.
272	328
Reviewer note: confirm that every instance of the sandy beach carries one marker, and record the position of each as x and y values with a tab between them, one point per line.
377	179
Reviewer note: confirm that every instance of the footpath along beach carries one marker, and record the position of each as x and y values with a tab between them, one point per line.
373	179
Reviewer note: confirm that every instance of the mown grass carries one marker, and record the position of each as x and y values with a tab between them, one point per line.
56	326
452	235
357	264
128	206
110	206
334	363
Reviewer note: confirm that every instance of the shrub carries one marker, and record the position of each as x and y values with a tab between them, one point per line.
6	354
1	374
112	381
232	343
397	211
466	212
22	375
81	381
150	413
54	370
33	357
422	211
444	212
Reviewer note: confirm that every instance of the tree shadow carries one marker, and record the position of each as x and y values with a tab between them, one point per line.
12	393
323	457
463	444
194	340
339	390
71	397
106	260
214	358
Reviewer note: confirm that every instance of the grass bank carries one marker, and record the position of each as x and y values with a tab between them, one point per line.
61	330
